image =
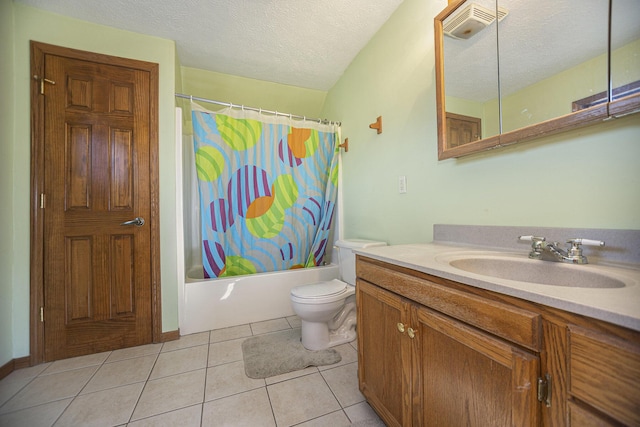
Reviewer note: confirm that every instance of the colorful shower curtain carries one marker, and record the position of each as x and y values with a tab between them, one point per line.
268	189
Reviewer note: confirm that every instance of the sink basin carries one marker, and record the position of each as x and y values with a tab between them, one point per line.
533	271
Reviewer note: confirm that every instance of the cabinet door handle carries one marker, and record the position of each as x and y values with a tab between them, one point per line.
411	332
400	327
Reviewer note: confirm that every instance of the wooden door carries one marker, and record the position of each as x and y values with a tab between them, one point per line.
97	171
384	353
462	129
470	378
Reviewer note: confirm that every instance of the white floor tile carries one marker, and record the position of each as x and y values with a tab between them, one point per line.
343	382
179	361
225	352
270	326
185	417
187	341
229	379
250	408
37	416
124	372
132	352
301	399
76	363
104	408
334	419
170	393
231	333
48	388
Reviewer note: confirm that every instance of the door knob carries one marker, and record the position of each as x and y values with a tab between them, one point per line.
138	222
400	327
411	332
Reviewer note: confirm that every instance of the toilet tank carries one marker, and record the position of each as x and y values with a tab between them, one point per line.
347	259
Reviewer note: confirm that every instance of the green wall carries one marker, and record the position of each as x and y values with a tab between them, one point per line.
249	92
584	178
33	24
7	234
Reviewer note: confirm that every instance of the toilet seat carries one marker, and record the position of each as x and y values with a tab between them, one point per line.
321	292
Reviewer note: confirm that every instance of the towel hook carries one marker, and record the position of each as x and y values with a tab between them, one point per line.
377	125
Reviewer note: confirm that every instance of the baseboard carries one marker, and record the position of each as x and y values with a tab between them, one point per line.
13	364
170	336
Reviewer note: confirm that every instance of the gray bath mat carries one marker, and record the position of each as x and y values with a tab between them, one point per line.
282	352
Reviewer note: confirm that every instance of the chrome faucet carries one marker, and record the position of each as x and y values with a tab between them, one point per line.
572	255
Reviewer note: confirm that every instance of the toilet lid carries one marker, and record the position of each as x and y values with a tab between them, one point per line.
320	289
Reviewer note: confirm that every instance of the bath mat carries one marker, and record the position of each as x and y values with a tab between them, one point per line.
281	352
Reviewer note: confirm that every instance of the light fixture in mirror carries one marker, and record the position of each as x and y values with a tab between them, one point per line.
547	73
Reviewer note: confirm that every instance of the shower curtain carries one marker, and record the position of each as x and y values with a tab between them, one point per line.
268	188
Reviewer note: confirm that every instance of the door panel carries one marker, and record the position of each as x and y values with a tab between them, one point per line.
97	272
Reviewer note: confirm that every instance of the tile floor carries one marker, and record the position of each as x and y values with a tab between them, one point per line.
198	380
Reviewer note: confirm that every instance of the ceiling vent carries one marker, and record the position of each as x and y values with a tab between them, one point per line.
468	21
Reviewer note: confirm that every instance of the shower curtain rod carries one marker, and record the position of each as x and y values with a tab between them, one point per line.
260	110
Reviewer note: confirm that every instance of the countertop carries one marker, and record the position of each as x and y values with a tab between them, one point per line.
620	306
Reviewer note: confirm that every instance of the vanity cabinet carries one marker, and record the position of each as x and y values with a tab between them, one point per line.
433	352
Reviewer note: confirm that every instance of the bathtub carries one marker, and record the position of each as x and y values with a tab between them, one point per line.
205	304
223	302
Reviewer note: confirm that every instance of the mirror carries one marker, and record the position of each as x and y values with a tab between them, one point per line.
625	57
540	68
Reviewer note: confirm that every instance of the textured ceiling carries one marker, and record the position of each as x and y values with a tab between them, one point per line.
303	43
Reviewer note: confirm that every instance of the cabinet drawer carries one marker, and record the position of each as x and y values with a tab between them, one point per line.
514	324
604	373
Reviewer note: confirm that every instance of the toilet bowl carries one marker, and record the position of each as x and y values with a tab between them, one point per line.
327	310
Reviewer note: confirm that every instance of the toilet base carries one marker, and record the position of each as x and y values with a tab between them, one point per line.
323	335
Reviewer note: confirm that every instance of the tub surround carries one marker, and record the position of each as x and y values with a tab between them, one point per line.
619	258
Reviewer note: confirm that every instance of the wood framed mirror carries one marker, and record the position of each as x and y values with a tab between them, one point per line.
526	69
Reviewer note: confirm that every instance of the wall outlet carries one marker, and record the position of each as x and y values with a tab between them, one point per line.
402	184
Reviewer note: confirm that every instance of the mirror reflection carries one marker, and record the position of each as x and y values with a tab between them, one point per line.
625	55
552	53
471	73
512	70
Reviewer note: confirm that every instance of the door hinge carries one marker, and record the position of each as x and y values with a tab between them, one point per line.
42	200
42	81
42	314
544	389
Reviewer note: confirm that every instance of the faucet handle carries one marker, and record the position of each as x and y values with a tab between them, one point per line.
537	244
586	242
575	251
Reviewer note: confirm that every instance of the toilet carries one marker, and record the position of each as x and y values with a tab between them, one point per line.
328	309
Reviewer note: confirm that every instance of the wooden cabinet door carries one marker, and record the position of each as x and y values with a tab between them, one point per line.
384	353
470	378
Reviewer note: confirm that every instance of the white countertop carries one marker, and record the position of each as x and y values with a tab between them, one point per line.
620	306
